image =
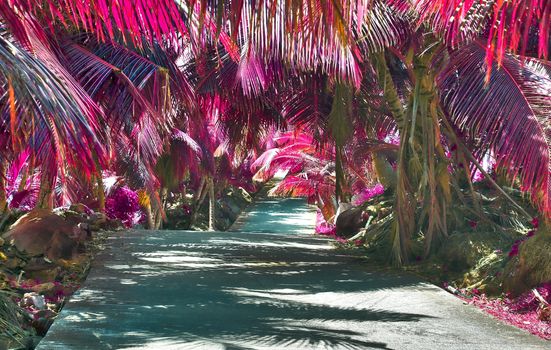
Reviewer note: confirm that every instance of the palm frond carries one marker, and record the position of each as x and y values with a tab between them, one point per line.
123	92
508	24
508	115
158	20
45	100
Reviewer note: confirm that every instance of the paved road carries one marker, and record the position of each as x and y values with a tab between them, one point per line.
276	215
242	290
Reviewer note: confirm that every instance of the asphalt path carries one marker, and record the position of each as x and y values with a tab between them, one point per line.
268	285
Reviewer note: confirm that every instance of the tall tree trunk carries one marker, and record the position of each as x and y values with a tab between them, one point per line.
422	189
100	193
198	199
159	211
338	174
212	203
149	217
145	203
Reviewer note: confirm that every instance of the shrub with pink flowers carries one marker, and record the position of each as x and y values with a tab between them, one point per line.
122	203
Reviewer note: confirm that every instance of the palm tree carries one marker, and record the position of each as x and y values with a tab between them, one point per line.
448	97
460	76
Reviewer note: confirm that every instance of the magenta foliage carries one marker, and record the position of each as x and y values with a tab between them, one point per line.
242	177
368	193
528	301
24	200
522	312
478	176
155	20
123	204
322	226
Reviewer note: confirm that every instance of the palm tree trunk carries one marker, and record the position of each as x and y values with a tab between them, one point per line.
149	217
159	211
338	174
198	199
100	193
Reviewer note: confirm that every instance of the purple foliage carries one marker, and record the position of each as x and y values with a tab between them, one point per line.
523	312
368	193
122	204
24	200
478	176
323	227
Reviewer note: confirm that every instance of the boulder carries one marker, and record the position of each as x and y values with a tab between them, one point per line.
33	299
40	232
349	222
13	263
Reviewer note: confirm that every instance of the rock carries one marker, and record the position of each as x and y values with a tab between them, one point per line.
350	222
42	232
33	299
46	313
1	241
42	324
98	219
30	342
39	269
43	274
62	247
38	264
33	214
86	231
113	225
99	216
343	206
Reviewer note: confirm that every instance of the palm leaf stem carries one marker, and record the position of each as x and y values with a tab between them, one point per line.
470	156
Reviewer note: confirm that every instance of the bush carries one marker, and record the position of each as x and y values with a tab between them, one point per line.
122	204
532	266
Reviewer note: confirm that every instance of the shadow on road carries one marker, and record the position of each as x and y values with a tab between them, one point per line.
190	290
